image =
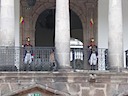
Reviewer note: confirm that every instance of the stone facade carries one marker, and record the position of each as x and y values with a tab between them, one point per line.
85	9
64	83
79	83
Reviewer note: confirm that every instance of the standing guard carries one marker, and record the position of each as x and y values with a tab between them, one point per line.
93	54
28	53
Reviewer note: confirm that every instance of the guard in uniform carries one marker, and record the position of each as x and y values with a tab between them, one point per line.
28	53
93	54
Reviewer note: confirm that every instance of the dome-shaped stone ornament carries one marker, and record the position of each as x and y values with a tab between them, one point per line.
31	2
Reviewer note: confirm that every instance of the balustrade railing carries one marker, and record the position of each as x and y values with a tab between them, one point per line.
38	59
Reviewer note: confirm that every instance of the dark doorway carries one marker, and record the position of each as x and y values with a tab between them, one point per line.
45	28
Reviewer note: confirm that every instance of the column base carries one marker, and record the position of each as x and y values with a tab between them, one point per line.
65	69
116	69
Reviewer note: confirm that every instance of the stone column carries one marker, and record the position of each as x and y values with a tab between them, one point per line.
62	33
17	32
7	33
17	24
115	40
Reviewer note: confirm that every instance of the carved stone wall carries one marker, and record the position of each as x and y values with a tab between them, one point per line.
64	83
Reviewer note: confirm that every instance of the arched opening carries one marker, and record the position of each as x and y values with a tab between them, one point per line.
45	28
44	35
76	26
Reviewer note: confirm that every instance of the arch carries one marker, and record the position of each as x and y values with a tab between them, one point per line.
37	10
43	7
45	24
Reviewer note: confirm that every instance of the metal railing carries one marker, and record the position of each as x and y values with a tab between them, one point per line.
79	56
14	59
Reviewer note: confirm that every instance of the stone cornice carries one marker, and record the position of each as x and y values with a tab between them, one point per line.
100	77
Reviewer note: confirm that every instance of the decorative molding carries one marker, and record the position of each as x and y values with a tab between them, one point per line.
41	88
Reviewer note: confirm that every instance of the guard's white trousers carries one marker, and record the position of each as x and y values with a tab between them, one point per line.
28	58
93	59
